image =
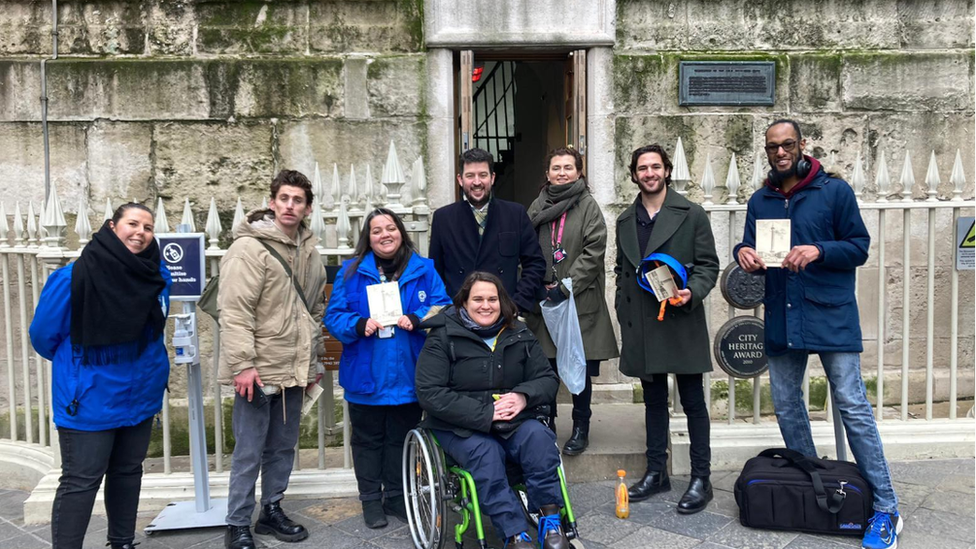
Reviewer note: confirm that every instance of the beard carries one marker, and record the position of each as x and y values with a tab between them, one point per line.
477	204
777	177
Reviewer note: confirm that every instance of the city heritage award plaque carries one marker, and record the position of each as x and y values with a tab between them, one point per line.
740	349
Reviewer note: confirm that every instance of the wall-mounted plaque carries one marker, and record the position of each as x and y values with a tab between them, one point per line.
731	83
740	347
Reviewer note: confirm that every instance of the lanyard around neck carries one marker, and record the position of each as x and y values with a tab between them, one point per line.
557	239
498	335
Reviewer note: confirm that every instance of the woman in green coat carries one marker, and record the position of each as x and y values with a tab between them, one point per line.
573	237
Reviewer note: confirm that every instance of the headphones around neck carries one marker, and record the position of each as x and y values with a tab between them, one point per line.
803	167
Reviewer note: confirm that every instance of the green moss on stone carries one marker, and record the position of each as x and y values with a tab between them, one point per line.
412	14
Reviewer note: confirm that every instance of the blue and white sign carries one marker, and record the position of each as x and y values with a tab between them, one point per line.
183	255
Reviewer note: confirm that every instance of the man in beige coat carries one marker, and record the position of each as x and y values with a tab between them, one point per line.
269	343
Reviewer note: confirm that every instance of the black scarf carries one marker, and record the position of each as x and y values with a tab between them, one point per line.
115	310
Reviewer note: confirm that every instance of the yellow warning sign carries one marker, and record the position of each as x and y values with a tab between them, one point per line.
970	237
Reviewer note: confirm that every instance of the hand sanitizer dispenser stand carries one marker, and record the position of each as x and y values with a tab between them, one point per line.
183	253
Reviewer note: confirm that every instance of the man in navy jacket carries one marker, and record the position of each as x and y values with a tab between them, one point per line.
810	308
482	233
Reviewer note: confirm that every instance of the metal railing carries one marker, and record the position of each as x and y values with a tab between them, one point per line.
34	246
494	103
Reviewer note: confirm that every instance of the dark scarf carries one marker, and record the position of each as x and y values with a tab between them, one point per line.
484	332
556	200
115	310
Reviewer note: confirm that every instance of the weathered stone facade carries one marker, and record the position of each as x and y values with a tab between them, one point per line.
198	99
195	99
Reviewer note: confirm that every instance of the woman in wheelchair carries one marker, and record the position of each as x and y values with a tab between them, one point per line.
483	381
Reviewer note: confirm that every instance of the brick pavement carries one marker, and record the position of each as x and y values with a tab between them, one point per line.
937	502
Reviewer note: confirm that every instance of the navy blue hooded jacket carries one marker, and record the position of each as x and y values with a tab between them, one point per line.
813	309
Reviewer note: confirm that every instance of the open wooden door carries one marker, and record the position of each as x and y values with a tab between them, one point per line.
575	90
465	100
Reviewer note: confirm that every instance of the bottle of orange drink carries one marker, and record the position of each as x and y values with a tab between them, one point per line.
623	500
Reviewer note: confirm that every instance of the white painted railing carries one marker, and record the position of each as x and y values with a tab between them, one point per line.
32	246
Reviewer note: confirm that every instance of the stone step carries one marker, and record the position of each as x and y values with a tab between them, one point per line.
616	442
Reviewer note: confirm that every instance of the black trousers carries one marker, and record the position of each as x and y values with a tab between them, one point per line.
86	457
582	410
656	420
377	447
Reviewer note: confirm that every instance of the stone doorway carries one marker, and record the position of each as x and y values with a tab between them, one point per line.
519	107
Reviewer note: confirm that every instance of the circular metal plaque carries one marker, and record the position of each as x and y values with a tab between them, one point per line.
740	347
741	289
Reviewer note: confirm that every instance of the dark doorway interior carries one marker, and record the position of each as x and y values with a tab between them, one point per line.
519	115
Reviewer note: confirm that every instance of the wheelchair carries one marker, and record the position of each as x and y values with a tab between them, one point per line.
433	484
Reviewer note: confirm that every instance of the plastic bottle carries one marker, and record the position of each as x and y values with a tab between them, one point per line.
623	500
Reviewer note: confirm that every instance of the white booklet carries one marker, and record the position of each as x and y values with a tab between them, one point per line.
312	394
773	241
662	282
384	303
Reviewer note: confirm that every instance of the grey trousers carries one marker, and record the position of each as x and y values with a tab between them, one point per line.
265	443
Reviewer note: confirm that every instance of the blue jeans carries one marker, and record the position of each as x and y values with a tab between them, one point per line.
844	373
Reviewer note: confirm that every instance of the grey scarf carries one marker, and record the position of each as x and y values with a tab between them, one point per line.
554	201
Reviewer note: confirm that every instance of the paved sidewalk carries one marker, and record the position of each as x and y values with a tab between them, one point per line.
937	503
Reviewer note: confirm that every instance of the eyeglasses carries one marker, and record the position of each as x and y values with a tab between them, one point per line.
788	146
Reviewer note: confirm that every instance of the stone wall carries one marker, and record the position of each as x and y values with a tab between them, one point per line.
197	98
862	77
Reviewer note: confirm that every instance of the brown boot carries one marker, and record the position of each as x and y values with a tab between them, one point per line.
551	535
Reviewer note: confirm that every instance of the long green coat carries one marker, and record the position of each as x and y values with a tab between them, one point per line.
679	343
585	242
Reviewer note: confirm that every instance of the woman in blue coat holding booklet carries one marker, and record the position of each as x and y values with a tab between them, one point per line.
377	366
100	320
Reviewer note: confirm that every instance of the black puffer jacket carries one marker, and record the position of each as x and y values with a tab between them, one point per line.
457	374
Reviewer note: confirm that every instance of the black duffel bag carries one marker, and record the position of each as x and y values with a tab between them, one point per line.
782	489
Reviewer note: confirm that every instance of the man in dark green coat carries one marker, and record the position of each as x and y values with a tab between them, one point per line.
664	222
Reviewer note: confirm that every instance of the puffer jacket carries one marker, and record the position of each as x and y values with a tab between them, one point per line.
376	371
263	322
96	398
457	373
814	309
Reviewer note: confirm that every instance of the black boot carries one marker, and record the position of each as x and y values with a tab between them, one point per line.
696	497
578	443
654	482
274	521
129	545
551	535
395	507
373	514
238	537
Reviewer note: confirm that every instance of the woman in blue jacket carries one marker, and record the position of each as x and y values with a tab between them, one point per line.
100	321
377	366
